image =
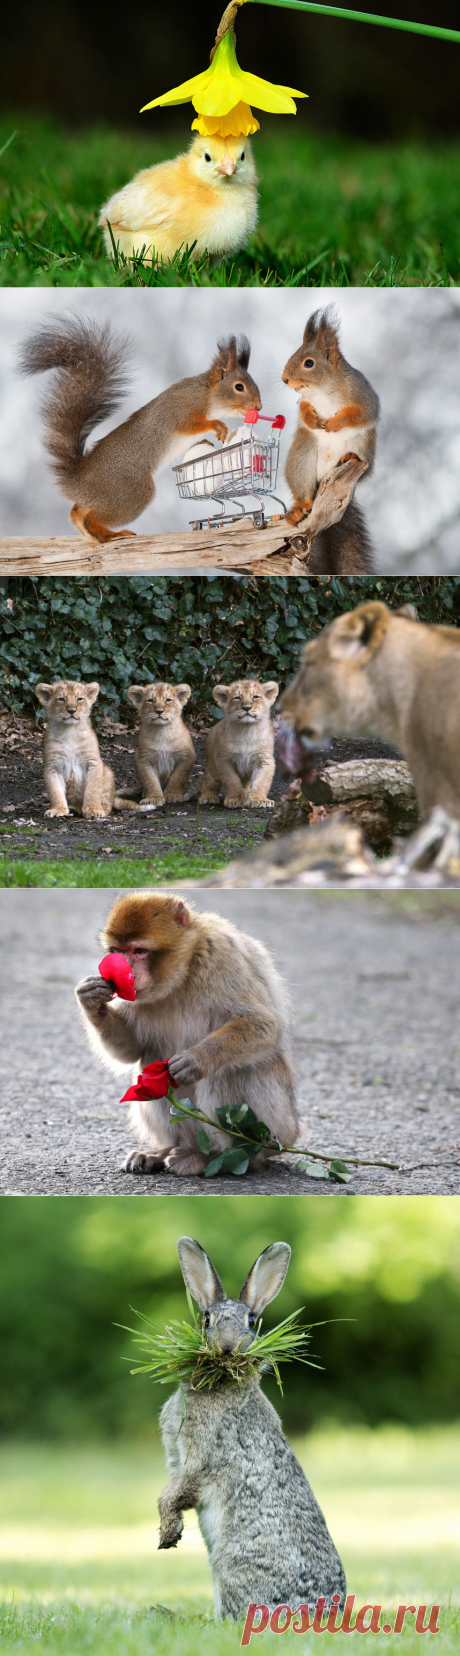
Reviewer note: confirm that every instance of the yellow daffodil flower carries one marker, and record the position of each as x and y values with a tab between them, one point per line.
224	87
239	123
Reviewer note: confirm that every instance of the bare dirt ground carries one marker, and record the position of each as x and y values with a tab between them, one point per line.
373	979
26	832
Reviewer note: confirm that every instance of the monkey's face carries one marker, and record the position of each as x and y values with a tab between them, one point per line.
153	932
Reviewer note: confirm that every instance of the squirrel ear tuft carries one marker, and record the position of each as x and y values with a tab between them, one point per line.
243	351
328	334
310	332
227	359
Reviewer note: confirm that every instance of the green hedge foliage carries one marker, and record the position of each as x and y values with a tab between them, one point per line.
125	630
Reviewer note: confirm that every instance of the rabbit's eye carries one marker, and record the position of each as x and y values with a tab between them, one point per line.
206	1319
309	362
251	1320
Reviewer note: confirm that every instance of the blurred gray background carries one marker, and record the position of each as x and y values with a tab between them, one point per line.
407	342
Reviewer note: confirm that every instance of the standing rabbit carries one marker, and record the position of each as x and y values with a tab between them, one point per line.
266	1536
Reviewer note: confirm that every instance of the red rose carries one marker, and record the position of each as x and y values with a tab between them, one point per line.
116	969
154	1082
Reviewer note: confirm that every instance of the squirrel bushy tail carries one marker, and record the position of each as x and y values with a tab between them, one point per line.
92	374
345	548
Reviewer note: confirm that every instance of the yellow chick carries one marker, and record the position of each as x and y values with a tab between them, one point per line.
207	196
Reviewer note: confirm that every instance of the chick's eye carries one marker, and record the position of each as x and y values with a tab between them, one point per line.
243	152
309	363
238	386
207	156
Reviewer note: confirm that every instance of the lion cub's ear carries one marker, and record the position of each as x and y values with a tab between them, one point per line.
270	690
221	694
359	634
135	695
183	691
409	612
44	693
92	691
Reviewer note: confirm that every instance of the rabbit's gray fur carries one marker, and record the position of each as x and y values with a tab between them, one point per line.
266	1536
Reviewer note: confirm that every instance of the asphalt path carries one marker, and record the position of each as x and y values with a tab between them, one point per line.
373	980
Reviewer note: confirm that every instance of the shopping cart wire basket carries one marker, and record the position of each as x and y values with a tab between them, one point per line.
247	467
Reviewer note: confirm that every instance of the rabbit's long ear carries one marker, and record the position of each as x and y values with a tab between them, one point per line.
266	1277
198	1273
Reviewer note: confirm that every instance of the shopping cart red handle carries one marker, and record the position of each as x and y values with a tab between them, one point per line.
253	416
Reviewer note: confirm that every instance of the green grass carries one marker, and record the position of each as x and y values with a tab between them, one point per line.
114	870
333	211
79	1569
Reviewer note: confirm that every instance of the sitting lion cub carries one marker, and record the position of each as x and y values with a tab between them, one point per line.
75	774
240	749
165	752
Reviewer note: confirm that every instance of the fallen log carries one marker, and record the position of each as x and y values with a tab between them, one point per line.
277	549
378	795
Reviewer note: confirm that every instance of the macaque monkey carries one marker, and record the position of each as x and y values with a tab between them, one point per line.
209	1002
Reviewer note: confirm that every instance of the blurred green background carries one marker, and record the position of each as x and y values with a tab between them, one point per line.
81	1464
72	1268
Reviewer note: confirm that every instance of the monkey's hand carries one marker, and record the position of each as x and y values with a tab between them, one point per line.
184	1068
94	992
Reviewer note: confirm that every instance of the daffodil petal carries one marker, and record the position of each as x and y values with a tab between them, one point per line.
238	123
179	94
224	85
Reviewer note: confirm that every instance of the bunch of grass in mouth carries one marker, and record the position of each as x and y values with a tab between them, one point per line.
180	1354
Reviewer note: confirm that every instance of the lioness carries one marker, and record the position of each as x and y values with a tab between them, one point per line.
165	752
240	749
374	672
75	774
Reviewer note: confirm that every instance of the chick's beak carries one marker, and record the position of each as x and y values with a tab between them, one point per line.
226	166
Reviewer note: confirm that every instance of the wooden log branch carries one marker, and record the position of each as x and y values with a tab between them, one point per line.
278	549
330	503
377	795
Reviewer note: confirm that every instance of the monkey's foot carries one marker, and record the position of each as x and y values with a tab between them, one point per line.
436	844
185	1163
145	1161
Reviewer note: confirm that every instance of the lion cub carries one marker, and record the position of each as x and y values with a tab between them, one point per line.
240	749
75	774
165	752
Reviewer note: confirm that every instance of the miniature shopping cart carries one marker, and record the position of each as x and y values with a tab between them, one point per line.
247	467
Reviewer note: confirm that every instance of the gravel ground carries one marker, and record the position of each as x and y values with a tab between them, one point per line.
373	983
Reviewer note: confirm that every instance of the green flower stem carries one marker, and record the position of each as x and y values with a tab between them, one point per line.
284	1149
365	17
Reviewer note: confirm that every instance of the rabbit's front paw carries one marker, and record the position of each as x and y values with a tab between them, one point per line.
171	1531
